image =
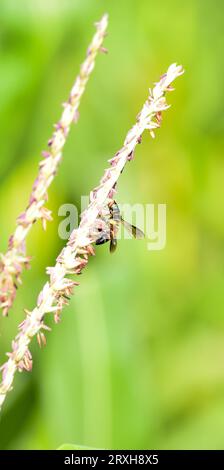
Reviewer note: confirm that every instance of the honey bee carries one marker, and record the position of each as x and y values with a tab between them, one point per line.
115	219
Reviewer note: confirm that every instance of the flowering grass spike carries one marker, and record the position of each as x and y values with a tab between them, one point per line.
15	259
74	257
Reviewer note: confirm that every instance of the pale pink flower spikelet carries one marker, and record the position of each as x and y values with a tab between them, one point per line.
74	257
15	260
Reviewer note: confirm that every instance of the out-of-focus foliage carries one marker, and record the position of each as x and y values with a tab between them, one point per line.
138	360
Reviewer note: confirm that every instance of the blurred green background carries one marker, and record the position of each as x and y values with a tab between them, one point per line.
138	360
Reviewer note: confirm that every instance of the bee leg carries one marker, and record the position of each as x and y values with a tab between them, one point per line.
113	245
103	239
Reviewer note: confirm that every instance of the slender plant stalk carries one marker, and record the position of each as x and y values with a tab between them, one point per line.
74	257
15	259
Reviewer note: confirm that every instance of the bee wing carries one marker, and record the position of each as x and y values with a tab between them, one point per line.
134	231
